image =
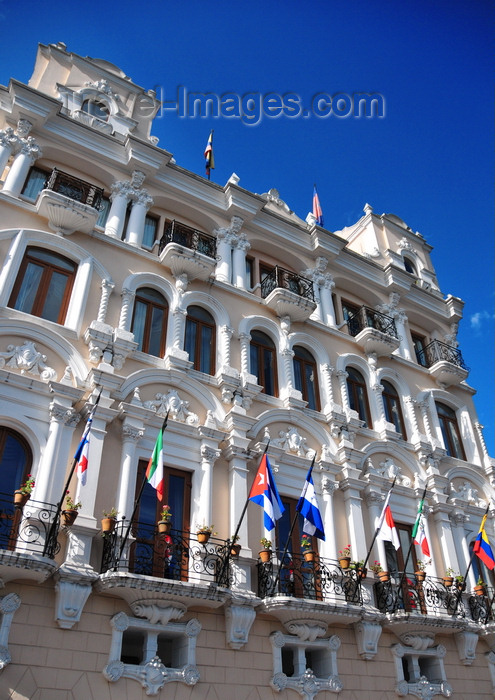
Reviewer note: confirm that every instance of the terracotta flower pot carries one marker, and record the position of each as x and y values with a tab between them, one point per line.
203	537
235	550
265	555
309	555
21	498
164	526
479	590
344	562
420	576
108	524
69	517
362	572
384	576
448	581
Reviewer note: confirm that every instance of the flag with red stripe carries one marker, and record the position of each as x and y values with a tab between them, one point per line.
81	456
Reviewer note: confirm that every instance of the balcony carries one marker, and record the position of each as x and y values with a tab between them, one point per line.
445	362
375	332
69	204
187	251
288	294
28	541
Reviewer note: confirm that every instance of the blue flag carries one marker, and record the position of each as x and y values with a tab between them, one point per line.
265	494
308	507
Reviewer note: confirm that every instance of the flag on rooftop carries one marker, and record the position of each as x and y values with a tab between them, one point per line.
482	546
386	526
81	455
154	470
418	531
209	158
317	210
308	507
264	493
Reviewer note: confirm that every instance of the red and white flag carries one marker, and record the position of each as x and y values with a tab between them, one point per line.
387	531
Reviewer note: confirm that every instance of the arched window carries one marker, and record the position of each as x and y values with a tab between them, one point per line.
200	339
358	397
96	108
450	431
306	377
149	321
393	411
15	460
44	285
409	266
264	362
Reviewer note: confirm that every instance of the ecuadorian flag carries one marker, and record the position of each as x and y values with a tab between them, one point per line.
482	546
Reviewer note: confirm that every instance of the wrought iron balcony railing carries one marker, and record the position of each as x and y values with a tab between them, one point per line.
189	238
426	597
366	317
437	351
285	279
175	555
319	579
29	529
74	188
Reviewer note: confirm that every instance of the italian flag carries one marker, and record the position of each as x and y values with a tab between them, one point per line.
418	531
154	471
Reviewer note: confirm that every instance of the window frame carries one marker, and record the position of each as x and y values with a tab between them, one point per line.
201	324
306	362
444	420
147	330
353	396
44	283
389	399
261	349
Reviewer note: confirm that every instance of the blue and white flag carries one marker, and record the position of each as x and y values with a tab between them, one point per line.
265	494
308	507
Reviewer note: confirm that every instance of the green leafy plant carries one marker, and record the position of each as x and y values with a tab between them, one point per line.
166	513
266	543
70	504
376	567
480	582
28	485
306	542
206	529
234	539
459	578
345	552
423	564
449	572
112	513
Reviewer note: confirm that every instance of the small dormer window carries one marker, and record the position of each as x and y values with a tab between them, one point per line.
95	108
408	264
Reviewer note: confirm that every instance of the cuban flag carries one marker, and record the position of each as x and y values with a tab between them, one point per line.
82	453
482	546
265	494
317	210
308	507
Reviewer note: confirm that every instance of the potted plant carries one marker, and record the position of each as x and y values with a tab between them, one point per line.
307	548
69	514
377	569
165	522
203	533
266	552
235	548
108	521
479	589
448	577
359	568
345	557
420	573
460	583
23	493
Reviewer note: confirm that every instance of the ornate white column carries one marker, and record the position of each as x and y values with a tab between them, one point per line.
444	537
135	228
116	216
7	142
224	256
374	501
424	407
128	469
226	334
328	547
106	289
400	319
125	317
203	497
410	404
51	471
354	516
380	408
238	490
342	377
326	372
287	380
239	261
29	153
179	316
323	285
458	519
245	340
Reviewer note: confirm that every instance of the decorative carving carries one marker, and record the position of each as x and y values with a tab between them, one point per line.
28	360
239	619
387	469
158	614
129	432
367	637
423	689
172	403
102	86
292	441
273	196
466	493
306	630
71	598
419	642
466	646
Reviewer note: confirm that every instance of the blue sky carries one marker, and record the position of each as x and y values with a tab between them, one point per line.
429	159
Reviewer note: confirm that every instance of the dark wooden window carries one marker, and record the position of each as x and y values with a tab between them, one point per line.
200	339
450	431
348	309
44	285
15	465
150	235
419	343
249	272
358	396
296	578
35	182
149	321
306	377
393	411
409	266
264	362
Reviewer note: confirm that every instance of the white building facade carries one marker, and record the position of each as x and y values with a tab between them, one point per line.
132	283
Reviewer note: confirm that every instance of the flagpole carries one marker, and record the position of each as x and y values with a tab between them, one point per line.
138	498
289	538
56	518
473	553
236	531
401	583
377	530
